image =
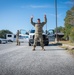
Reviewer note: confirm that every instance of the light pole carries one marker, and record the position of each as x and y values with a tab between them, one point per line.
56	19
46	28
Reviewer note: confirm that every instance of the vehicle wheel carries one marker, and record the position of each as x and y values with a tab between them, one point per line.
46	44
29	44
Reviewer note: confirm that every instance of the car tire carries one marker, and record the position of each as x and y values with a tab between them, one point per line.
46	44
29	44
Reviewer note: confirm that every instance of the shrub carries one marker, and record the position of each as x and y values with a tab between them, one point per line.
72	35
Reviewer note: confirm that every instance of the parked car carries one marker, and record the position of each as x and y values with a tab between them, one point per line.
3	41
11	37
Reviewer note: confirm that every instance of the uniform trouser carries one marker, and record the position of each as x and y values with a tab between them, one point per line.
40	38
17	40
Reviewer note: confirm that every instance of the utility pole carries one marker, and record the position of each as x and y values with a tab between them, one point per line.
46	28
56	19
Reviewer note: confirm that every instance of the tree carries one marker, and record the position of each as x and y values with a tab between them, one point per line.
72	35
59	29
4	32
69	22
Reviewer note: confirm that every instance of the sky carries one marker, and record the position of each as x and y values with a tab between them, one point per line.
16	14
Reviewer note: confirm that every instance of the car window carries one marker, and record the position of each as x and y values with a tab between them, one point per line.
9	35
26	37
22	37
32	31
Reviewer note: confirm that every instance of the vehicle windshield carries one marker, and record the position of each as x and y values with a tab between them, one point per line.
32	31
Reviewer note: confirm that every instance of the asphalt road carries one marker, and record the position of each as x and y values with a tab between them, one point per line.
21	60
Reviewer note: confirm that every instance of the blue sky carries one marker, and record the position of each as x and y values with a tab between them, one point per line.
15	14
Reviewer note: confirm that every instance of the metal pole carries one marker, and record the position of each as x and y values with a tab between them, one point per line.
46	28
56	18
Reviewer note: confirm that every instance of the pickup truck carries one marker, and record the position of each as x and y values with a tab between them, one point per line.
32	35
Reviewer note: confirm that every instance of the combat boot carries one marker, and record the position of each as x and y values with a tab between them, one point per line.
33	48
19	44
43	49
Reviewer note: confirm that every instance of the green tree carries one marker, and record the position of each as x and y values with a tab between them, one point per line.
59	29
72	35
69	22
4	32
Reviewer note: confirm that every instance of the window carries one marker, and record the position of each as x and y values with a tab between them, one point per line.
14	36
26	37
32	31
20	37
9	35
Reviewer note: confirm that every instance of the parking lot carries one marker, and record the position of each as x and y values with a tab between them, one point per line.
21	60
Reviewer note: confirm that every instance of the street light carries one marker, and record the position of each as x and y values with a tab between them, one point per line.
56	19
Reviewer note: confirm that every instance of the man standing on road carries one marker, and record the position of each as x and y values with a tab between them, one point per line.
38	31
17	37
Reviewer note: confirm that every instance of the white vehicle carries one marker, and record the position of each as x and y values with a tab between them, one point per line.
32	35
3	41
51	35
23	38
11	37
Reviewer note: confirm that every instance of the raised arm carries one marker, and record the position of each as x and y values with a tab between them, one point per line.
45	20
33	23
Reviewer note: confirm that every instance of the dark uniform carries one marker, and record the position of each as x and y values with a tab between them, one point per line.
38	32
17	38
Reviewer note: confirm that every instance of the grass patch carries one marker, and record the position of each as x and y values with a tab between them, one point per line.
64	42
71	52
64	47
67	42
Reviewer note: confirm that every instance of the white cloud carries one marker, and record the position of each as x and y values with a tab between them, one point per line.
68	2
41	6
37	6
58	15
